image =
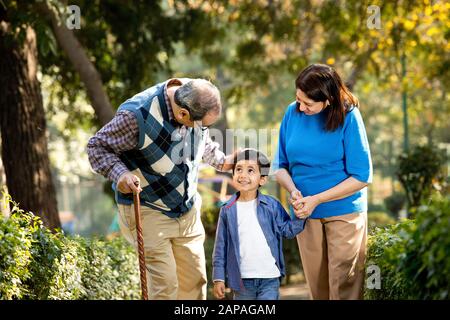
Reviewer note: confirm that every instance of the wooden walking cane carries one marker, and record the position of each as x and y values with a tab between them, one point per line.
140	241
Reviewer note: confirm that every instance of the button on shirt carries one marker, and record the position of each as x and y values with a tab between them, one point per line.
255	255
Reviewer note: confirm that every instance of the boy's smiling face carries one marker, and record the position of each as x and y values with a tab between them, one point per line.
247	176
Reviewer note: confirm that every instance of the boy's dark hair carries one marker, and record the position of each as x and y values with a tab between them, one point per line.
255	155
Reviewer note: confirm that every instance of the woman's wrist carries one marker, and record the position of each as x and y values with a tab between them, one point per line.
318	198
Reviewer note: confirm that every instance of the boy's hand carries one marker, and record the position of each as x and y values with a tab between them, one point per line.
294	197
306	206
295	201
219	289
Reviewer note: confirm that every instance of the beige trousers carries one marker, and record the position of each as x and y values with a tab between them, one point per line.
333	252
174	252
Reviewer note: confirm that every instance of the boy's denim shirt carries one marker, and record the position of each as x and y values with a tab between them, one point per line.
275	223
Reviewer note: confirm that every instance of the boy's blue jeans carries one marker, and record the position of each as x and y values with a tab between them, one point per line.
259	289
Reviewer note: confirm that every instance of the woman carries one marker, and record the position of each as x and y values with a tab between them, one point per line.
324	162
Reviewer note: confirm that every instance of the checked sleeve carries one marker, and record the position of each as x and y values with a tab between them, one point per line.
103	149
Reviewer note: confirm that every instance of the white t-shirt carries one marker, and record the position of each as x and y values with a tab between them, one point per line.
256	258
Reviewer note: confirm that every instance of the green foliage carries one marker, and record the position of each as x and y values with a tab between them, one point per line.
292	259
376	207
379	219
129	43
427	259
414	255
110	275
210	217
386	245
37	264
55	266
394	203
420	171
15	255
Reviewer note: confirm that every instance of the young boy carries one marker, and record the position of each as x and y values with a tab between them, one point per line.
248	251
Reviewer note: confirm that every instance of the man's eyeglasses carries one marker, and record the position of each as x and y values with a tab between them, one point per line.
199	125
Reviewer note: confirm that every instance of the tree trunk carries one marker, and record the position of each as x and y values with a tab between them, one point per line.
23	128
82	64
4	207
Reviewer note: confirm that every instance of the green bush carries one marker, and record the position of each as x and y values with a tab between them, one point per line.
376	207
292	258
112	272
38	264
427	259
421	171
379	219
210	217
56	266
394	203
15	256
414	255
385	247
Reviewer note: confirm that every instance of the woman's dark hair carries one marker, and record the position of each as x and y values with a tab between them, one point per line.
254	155
321	82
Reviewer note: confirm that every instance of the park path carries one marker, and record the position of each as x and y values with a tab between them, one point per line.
298	291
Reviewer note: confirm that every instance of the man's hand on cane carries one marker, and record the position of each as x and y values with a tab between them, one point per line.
140	238
129	183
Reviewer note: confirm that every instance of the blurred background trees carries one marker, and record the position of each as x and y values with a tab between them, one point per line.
252	50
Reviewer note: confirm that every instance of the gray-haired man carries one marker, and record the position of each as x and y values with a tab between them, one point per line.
159	137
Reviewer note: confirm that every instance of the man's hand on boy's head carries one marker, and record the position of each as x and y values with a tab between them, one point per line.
219	289
229	160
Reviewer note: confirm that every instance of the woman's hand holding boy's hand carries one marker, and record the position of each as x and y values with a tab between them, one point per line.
294	196
219	289
305	206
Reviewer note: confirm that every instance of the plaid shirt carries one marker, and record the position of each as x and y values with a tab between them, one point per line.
122	134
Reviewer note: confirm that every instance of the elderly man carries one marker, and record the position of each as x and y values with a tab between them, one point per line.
158	137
